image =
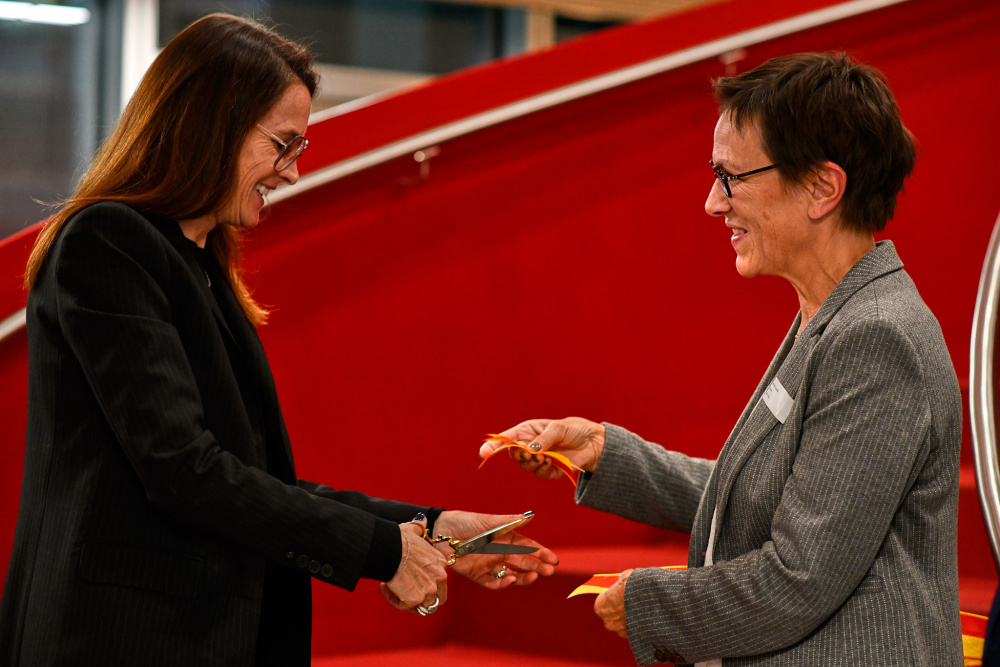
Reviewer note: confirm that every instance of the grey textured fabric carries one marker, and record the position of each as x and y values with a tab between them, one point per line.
837	530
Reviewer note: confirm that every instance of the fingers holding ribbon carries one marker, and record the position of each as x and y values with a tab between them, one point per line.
550	448
610	606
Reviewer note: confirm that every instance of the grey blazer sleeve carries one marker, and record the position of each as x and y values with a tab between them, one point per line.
644	482
863	428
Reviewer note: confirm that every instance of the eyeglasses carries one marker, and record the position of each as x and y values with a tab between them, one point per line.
719	174
289	152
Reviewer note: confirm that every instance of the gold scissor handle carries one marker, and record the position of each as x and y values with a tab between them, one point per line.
452	542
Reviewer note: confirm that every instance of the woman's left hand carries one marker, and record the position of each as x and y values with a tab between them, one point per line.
517	569
610	606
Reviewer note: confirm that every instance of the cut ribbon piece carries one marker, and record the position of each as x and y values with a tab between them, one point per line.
558	459
973	625
599	583
973	638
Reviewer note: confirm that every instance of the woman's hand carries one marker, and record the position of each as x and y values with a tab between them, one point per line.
610	606
421	578
580	440
516	569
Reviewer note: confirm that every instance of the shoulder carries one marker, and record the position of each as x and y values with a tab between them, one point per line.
889	307
108	218
107	235
112	224
886	329
886	343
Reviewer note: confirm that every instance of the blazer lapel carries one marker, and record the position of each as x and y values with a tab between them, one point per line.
261	390
258	388
878	262
762	419
182	244
751	421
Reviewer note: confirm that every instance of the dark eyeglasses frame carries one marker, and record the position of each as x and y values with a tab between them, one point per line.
296	147
725	179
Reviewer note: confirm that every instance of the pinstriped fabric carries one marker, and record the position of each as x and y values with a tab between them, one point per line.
158	485
837	530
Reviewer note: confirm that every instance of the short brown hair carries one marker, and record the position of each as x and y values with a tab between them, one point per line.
810	108
175	149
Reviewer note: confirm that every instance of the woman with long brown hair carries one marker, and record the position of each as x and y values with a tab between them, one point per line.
161	520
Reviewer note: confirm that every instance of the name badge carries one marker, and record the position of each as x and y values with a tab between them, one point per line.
778	400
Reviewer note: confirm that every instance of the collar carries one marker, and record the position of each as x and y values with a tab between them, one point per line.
880	260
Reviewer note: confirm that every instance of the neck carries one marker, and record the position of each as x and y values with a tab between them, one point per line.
828	263
197	229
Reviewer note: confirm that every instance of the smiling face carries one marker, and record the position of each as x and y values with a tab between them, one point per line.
771	230
255	169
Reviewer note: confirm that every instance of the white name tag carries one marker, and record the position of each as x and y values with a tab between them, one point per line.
778	400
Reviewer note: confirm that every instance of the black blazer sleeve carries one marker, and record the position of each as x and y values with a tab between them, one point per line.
117	288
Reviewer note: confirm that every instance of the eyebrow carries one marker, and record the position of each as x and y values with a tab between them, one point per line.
721	164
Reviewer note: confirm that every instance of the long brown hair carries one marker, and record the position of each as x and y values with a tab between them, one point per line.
174	151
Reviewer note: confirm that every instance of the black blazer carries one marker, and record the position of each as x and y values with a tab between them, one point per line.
161	521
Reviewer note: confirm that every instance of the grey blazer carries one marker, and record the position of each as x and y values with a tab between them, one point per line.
836	531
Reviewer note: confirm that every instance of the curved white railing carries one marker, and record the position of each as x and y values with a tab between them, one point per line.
411	145
12	324
981	401
576	91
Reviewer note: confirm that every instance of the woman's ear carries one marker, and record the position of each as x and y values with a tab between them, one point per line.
825	184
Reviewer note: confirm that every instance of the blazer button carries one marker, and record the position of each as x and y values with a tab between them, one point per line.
290	555
314	566
326	570
302	561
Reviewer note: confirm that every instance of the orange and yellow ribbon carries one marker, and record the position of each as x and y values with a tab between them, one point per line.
973	625
599	583
973	638
560	460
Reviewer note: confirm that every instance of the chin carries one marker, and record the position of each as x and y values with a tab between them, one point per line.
249	221
745	269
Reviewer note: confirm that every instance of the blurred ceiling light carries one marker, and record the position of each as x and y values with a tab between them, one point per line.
50	14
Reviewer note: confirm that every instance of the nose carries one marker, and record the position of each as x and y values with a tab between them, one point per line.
290	173
717	203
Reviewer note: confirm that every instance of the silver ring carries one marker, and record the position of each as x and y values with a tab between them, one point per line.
501	573
427	611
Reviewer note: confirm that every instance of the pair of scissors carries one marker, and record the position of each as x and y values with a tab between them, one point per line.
484	542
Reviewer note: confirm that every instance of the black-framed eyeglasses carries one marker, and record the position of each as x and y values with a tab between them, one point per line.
289	152
719	174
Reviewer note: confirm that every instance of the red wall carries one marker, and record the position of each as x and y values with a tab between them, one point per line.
563	264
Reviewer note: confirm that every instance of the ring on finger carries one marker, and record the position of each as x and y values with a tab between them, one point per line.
501	573
430	609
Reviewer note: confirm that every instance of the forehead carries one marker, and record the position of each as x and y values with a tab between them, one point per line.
291	112
735	148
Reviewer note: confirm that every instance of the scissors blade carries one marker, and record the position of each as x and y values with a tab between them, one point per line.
501	548
478	543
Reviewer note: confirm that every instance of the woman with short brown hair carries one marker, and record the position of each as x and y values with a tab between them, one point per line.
825	533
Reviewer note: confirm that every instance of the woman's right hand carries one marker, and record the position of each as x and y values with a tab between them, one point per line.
580	440
421	579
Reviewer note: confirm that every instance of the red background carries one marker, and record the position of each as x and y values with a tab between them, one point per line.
562	263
